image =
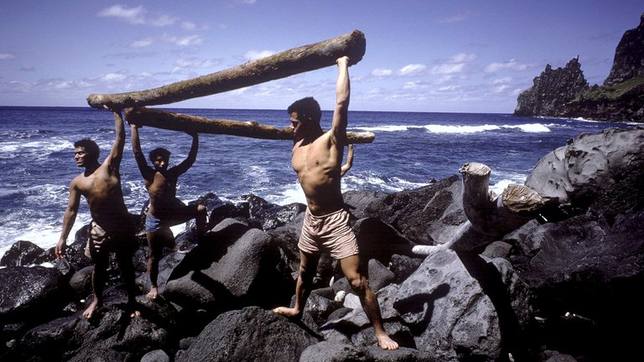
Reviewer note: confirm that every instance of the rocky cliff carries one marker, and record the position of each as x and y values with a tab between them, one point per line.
563	92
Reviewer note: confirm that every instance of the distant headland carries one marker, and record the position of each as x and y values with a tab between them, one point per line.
564	92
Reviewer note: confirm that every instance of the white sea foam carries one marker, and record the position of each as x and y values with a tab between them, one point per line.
530	127
507	178
386	128
458	129
287	194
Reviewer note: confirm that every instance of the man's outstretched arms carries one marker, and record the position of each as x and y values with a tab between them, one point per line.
113	160
342	92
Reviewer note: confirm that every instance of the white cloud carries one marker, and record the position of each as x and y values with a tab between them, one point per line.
381	72
511	64
112	77
184	40
188	25
448	68
449	88
258	54
134	15
194	62
502	80
6	56
410	85
162	20
500	88
248	2
142	43
463	58
412	69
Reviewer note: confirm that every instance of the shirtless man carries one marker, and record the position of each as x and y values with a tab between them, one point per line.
165	209
112	228
317	159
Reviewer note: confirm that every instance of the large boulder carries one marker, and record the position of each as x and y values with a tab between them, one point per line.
216	276
589	164
250	334
357	201
269	215
29	292
427	215
378	240
24	253
448	311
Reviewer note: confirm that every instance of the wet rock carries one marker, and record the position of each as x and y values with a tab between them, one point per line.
250	334
24	253
81	281
30	292
377	240
158	355
375	353
270	216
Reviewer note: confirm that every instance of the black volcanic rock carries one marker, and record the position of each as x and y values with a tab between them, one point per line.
24	253
551	90
250	334
629	56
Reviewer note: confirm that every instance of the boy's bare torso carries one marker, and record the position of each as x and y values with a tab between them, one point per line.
317	165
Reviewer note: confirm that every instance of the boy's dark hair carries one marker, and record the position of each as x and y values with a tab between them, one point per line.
159	152
308	109
91	148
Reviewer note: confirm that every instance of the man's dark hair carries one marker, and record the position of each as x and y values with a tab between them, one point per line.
159	152
308	109
91	148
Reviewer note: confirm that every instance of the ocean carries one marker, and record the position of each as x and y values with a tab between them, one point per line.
410	149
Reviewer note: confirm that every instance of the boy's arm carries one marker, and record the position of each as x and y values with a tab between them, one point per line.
192	155
146	170
347	166
68	219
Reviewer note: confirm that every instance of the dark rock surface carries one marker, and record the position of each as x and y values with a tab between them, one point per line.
427	215
29	291
24	253
629	56
551	90
250	334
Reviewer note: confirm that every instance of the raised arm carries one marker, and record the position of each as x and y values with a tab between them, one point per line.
347	166
192	155
342	91
146	171
68	218
113	160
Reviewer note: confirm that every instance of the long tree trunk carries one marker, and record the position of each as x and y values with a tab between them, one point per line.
183	122
280	65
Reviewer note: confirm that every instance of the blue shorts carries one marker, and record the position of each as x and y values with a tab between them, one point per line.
152	224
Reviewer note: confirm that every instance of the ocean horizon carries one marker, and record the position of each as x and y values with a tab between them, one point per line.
410	150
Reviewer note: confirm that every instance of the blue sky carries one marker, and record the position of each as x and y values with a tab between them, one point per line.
434	56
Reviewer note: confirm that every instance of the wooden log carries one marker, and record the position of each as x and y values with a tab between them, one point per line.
489	216
183	122
280	65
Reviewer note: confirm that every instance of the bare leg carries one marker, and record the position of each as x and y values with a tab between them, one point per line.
98	283
155	247
308	265
368	299
200	220
124	258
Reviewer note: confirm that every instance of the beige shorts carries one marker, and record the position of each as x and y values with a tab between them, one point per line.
100	241
330	232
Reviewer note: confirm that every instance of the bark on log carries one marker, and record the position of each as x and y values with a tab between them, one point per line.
188	123
281	65
489	216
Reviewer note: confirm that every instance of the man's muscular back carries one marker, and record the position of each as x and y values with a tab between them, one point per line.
317	165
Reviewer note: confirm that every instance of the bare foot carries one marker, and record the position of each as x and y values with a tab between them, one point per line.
153	293
135	314
386	343
287	312
89	312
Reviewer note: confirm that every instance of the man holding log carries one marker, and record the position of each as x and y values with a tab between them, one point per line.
317	159
165	209
112	227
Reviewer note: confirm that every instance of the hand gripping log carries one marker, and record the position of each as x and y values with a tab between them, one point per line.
277	66
183	122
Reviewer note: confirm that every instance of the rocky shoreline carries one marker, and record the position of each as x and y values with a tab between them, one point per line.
564	286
